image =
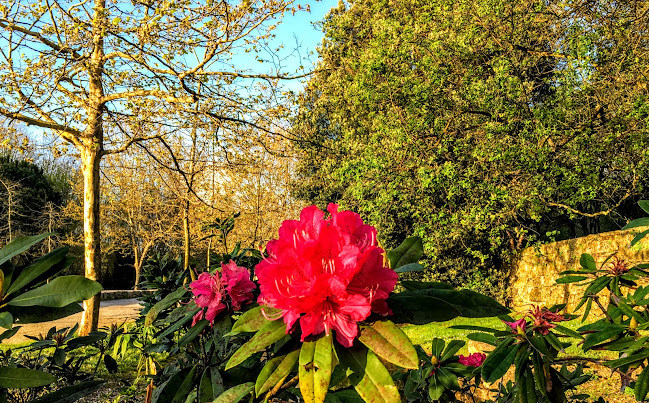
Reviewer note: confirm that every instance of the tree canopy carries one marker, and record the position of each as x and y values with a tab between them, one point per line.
481	126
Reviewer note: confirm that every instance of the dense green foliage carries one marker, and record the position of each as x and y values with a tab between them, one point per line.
481	126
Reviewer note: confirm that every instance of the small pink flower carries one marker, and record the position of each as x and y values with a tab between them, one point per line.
237	284
211	290
515	326
473	360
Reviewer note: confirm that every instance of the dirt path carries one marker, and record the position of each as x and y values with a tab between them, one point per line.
115	311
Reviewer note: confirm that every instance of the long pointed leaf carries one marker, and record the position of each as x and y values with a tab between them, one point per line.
389	342
267	335
370	378
19	245
59	292
315	368
38	268
235	394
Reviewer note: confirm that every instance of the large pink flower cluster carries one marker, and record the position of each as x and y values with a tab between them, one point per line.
211	291
326	273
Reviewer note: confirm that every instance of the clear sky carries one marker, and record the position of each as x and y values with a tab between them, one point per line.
300	34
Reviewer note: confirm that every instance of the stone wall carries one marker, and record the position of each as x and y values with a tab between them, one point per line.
535	270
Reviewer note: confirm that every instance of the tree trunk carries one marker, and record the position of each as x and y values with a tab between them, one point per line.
187	240
90	157
92	149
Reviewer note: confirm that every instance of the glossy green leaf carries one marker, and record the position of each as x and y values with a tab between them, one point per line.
642	385
20	245
369	376
253	319
435	304
267	335
59	292
499	361
483	338
447	379
167	391
453	347
389	342
177	324
193	332
638	238
409	268
568	332
24	315
20	378
9	333
316	364
435	388
587	262
38	268
410	251
6	320
437	347
235	394
639	356
275	372
640	222
570	279
539	373
607	333
163	304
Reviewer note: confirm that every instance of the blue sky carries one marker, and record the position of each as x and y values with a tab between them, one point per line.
300	35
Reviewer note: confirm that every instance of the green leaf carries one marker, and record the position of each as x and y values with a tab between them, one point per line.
447	379
642	385
499	361
6	320
435	388
389	342
638	237
193	332
453	347
163	304
644	204
437	347
21	378
205	388
9	333
166	392
315	368
409	267
275	372
434	304
253	319
369	377
19	245
483	338
410	251
177	324
346	396
568	332
88	340
607	333
71	393
640	222
26	315
639	356
38	268
267	335
570	279
587	262
185	387
539	373
235	394
59	292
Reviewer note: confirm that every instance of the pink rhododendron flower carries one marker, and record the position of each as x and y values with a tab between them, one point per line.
542	318
326	273
237	284
211	291
515	326
473	360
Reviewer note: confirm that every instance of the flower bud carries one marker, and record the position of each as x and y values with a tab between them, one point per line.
634	323
434	360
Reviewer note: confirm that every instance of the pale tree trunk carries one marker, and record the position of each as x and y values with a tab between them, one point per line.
91	149
91	240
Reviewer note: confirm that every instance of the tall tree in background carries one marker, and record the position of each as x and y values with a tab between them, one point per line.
105	74
479	125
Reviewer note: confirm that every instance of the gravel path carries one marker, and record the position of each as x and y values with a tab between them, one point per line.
115	311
